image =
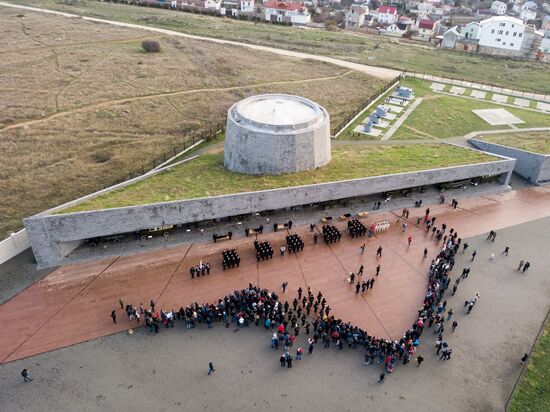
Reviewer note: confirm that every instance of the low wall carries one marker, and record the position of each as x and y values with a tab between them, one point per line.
48	233
533	166
13	245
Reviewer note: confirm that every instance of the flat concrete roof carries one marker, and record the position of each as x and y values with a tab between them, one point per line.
279	110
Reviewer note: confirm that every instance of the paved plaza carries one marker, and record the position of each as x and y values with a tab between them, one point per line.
74	301
168	371
498	117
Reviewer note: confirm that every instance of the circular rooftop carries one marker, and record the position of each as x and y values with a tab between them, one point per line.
278	112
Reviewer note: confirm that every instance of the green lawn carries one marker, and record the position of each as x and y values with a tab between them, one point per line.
206	176
533	391
368	49
440	116
538	142
349	134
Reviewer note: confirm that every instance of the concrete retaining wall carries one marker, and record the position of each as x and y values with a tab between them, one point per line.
12	246
532	166
50	233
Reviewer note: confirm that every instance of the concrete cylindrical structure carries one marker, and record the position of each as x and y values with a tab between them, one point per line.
276	133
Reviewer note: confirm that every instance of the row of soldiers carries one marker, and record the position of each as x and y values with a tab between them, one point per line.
231	259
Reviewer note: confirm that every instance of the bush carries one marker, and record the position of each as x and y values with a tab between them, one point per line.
150	46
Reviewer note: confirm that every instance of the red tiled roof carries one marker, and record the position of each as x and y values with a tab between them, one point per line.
387	9
426	24
284	5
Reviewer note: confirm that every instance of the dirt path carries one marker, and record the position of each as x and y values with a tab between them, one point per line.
382	73
168	94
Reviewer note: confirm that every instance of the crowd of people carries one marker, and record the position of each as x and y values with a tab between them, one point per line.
310	314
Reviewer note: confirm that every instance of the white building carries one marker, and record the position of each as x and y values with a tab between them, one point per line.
499	8
545	44
529	5
527	15
386	14
501	32
471	30
247	6
355	17
286	11
213	4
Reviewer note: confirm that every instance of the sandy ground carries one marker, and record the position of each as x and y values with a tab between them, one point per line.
168	371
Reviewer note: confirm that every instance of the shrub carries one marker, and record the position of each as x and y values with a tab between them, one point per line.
150	46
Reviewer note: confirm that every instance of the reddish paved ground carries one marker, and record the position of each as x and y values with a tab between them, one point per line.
73	303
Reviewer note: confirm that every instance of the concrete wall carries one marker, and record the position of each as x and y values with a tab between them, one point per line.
47	231
532	166
13	245
257	148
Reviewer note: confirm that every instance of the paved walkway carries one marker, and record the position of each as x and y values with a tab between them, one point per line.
401	119
73	303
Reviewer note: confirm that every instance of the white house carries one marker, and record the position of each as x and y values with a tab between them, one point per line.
499	8
425	27
529	5
213	4
282	11
501	32
545	44
355	17
246	6
528	14
387	14
470	31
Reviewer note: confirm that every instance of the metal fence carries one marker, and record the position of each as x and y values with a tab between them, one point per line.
158	160
366	104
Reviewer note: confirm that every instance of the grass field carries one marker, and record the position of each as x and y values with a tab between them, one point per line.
533	391
441	116
368	49
83	105
206	175
538	142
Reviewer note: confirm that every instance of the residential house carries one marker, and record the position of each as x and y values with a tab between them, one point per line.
355	17
505	35
230	8
470	31
247	6
212	4
527	15
500	35
545	44
386	14
286	11
499	8
425	27
530	5
451	38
